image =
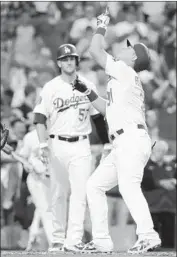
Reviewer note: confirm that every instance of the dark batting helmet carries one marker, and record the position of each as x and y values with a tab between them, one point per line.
143	58
67	50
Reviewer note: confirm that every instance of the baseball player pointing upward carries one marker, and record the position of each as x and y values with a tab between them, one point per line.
66	114
124	110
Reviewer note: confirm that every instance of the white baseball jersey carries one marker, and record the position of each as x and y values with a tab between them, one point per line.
67	111
125	105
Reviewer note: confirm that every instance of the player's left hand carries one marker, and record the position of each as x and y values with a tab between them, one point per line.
79	85
103	19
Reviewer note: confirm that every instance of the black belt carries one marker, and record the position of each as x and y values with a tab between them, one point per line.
71	139
121	131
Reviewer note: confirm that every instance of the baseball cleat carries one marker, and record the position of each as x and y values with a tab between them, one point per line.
56	247
92	248
147	245
74	248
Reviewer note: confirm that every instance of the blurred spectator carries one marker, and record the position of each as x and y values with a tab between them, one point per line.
17	132
54	34
85	69
84	43
41	7
152	124
25	44
32	77
45	60
167	36
54	13
45	76
17	76
29	101
159	185
79	26
6	101
101	81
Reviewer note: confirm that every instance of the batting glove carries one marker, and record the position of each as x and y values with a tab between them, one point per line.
103	20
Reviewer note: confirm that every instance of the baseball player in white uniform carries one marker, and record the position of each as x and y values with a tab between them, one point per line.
62	119
39	187
125	114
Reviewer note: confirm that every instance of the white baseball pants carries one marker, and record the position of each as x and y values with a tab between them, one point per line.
70	166
123	166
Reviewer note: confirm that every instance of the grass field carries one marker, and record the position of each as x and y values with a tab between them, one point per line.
115	254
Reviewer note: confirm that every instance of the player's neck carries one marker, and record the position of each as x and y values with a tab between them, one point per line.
68	78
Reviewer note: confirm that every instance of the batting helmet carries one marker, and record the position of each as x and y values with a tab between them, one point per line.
143	58
67	50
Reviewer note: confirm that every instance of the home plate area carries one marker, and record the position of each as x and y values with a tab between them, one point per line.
114	254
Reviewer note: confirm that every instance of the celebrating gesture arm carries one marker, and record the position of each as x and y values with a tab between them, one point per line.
97	44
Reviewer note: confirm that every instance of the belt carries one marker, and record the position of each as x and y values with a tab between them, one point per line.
71	139
121	131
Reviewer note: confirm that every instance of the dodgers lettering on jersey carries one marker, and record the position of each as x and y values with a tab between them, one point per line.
67	111
125	95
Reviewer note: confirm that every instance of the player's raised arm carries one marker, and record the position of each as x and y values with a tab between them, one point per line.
97	44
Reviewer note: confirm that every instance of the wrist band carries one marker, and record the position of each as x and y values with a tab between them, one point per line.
92	96
100	31
43	145
87	92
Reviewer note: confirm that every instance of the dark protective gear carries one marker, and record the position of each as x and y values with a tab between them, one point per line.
67	50
143	58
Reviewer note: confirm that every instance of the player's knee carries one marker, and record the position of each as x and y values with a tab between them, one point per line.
93	188
90	187
126	187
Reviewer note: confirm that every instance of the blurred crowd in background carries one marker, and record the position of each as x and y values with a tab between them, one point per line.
30	35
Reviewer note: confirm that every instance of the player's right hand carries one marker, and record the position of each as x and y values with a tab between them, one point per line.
79	85
103	19
44	152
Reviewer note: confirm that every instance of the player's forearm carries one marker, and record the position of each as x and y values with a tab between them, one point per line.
97	45
97	51
42	133
100	105
101	128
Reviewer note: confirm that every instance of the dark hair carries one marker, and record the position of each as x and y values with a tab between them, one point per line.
28	90
13	122
8	92
88	28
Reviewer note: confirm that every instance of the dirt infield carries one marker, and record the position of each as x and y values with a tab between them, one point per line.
115	254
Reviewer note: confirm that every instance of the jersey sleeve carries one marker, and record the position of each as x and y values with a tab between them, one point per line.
42	105
115	68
